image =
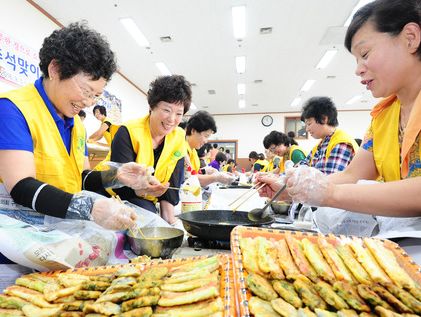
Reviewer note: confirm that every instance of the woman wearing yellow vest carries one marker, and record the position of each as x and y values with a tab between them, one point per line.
385	38
43	155
199	128
155	140
100	114
258	162
336	148
281	145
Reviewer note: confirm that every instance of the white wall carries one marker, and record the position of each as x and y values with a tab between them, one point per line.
249	131
22	21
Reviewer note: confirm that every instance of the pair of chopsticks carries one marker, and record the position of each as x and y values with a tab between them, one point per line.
245	196
131	230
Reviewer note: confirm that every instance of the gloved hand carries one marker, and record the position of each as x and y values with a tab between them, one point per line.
308	185
113	215
133	175
273	183
155	189
209	170
224	178
106	212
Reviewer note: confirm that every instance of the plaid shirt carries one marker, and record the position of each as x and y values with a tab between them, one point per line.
340	156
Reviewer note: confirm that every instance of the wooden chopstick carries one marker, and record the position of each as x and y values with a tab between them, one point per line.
252	188
255	190
137	229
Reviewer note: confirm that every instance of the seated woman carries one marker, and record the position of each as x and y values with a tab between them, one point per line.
336	148
155	140
258	162
380	32
42	141
199	128
219	161
281	145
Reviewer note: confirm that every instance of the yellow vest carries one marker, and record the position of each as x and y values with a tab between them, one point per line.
174	149
107	134
385	126
194	158
263	163
53	164
270	167
289	156
338	136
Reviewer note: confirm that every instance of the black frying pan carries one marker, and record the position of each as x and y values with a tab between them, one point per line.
217	224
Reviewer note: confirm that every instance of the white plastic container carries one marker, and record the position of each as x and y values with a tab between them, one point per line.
191	199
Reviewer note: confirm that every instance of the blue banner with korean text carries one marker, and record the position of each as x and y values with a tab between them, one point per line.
18	62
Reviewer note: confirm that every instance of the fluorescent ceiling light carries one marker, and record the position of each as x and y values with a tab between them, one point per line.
354	99
360	4
327	57
163	69
193	106
241	89
134	31
241	103
296	102
307	85
239	21
240	64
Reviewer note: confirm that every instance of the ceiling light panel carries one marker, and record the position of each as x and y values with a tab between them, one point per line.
134	31
354	99
326	59
241	103
307	85
241	89
240	64
360	4
163	69
239	21
296	102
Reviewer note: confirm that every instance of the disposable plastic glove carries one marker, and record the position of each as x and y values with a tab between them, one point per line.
272	183
106	212
224	178
133	175
113	215
308	185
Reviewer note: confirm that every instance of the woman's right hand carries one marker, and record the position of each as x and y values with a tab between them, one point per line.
272	183
113	215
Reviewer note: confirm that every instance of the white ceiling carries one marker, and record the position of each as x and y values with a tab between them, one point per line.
203	48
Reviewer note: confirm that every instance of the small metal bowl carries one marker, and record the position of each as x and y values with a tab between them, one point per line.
280	207
160	242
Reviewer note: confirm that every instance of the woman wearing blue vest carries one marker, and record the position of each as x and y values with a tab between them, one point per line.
385	39
43	156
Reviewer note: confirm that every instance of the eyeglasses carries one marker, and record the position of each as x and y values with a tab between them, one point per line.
272	148
86	94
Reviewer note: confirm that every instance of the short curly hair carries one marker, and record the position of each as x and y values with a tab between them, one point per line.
78	49
201	121
319	108
276	138
171	89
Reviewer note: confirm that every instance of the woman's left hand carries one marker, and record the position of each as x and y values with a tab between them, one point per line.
308	185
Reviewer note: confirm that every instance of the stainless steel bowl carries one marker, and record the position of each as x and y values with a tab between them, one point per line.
160	242
280	207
